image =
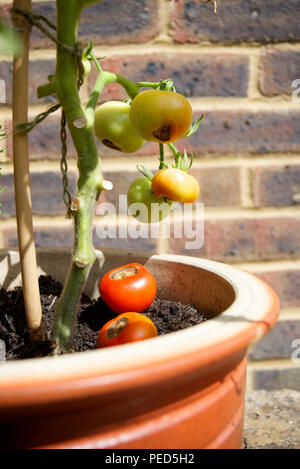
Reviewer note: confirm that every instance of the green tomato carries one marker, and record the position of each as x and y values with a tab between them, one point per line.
114	129
144	205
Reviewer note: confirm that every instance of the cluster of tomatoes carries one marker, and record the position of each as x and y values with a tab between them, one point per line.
158	116
128	291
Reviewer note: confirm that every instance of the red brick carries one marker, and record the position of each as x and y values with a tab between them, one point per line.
276	185
233	240
129	21
46	193
63	236
224	240
278	238
286	283
180	245
226	132
272	380
219	186
44	139
149	244
38	75
44	237
278	70
236	21
278	342
241	240
193	74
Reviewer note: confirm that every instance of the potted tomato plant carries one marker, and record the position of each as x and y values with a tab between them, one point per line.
179	390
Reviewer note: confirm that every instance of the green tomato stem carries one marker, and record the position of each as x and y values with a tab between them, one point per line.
147	84
177	154
130	87
162	163
90	176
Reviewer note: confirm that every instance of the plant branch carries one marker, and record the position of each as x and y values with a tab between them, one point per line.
45	90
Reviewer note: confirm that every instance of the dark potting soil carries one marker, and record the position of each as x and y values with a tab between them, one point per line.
168	316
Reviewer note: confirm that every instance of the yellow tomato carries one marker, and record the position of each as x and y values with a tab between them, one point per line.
175	184
161	116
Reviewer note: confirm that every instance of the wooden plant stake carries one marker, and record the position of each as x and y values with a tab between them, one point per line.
22	179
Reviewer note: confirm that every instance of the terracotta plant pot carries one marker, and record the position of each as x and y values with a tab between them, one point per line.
182	390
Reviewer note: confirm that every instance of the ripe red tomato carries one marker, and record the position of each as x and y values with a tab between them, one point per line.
126	328
161	116
128	288
175	184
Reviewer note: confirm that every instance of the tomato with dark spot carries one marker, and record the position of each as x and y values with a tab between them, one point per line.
161	116
126	328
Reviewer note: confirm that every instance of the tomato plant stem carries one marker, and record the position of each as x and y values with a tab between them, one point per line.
65	82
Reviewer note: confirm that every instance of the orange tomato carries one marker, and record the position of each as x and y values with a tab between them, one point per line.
161	116
126	328
175	184
131	287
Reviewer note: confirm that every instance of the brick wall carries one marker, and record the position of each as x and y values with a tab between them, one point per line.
237	67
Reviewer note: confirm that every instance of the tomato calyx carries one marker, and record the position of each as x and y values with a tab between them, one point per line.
182	162
166	85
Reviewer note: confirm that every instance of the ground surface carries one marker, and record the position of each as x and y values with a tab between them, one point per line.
272	420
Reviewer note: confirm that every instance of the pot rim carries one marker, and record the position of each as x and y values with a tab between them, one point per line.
251	315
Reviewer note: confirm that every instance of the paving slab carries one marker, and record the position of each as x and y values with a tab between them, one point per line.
272	420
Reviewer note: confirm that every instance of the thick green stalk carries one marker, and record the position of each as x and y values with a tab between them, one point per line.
90	176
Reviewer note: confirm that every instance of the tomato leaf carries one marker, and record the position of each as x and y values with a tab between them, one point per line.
145	172
185	161
194	127
191	161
